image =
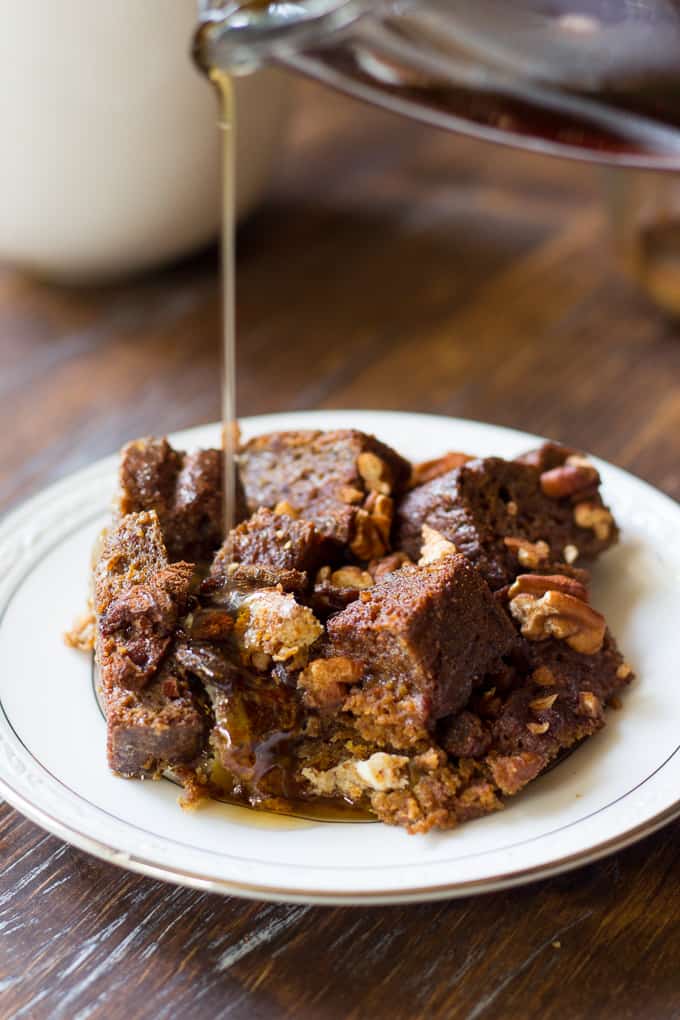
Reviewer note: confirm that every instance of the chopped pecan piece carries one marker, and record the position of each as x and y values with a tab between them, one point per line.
570	553
544	703
529	554
434	546
351	577
372	525
376	472
597	518
589	704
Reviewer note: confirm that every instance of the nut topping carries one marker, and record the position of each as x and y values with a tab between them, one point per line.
372	526
351	577
381	510
430	469
538	727
589	704
560	616
597	518
434	547
529	554
623	671
375	472
543	704
575	475
539	584
366	543
570	554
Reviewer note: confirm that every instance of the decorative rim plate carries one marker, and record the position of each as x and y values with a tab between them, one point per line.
617	788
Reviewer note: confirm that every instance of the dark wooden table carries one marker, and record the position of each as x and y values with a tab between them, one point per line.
392	266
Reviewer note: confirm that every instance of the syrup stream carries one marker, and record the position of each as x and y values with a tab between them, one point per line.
227	126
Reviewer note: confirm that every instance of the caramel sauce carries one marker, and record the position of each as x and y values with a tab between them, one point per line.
336	810
282	813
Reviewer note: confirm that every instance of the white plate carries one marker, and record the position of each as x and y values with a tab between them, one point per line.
619	786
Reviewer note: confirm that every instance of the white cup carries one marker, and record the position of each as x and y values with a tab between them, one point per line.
110	150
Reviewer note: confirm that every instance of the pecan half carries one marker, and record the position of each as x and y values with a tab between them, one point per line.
529	554
575	475
560	616
434	547
595	517
539	584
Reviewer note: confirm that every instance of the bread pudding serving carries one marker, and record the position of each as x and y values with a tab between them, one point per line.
416	641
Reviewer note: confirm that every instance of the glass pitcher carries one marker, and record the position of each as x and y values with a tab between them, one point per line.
589	79
597	79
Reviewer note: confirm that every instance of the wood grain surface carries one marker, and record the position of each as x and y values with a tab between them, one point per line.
391	266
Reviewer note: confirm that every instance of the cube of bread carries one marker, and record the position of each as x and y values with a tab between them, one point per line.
342	481
274	540
153	716
426	635
185	490
509	516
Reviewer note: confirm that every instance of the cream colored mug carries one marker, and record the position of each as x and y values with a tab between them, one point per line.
110	151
